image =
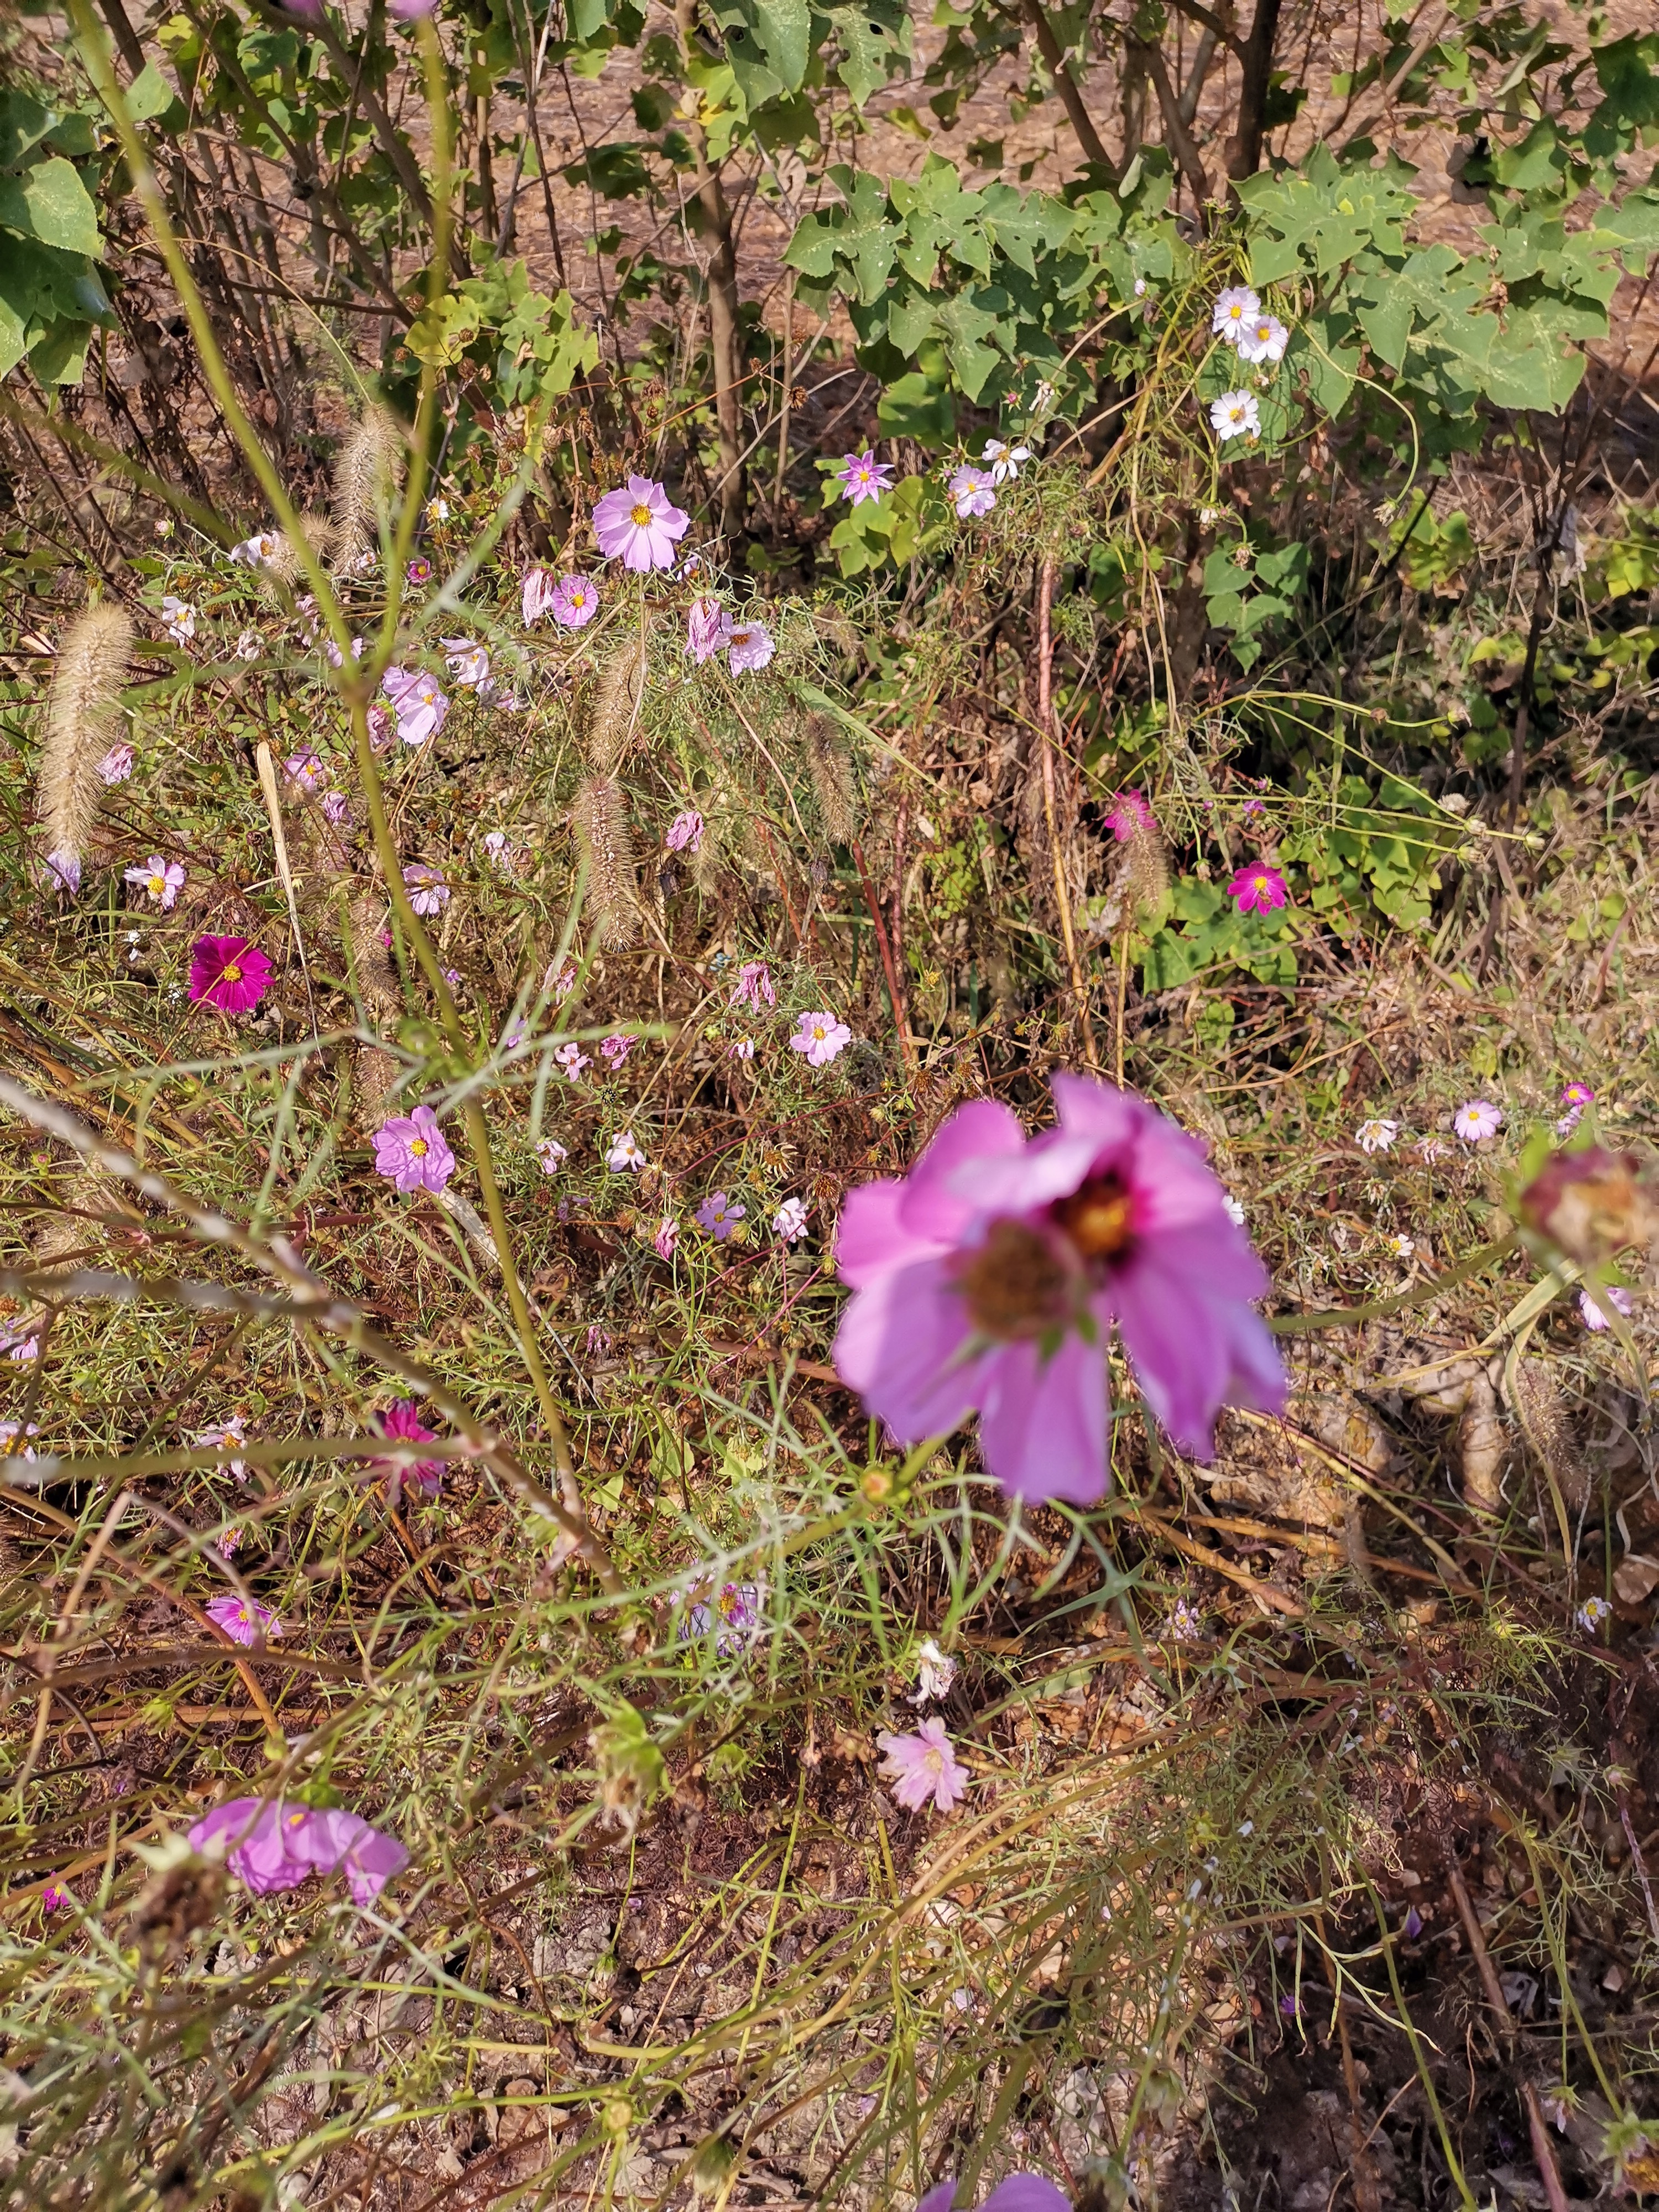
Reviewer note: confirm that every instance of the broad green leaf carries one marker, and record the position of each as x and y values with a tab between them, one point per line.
23	124
965	325
916	407
13	343
60	354
50	203
150	94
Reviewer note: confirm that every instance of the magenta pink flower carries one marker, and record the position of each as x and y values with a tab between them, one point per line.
705	628
1258	889
419	570
685	832
53	1898
1128	813
410	1150
991	1276
862	477
755	986
921	1766
270	1845
640	524
401	1424
614	1049
230	973
245	1621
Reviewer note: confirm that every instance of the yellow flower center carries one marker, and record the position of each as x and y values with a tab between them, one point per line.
157	885
640	515
1098	1218
230	973
418	1148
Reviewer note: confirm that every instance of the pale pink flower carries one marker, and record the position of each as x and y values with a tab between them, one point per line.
551	1154
971	491
614	1050
233	1430
1020	2192
428	894
116	766
624	1153
862	477
1591	1314
536	594
161	879
179	617
667	1236
1377	1134
720	1215
64	872
934	1675
741	1048
306	768
418	704
564	982
755	986
467	661
640	523
270	1845
1265	340
1233	312
992	1275
245	1621
572	1058
705	628
921	1766
498	846
789	1222
410	1151
749	645
820	1036
685	832
1476	1118
229	1542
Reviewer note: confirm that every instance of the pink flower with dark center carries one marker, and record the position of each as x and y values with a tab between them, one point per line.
720	1215
862	477
160	879
1129	812
401	1424
749	645
705	628
228	973
641	525
820	1036
990	1278
574	603
921	1766
667	1236
245	1621
270	1845
685	832
116	766
1258	889
755	986
410	1150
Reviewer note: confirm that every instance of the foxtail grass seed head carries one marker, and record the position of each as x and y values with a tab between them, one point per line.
368	473
618	697
81	707
830	766
285	564
599	817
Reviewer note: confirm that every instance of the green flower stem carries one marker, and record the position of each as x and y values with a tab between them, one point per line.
1344	1316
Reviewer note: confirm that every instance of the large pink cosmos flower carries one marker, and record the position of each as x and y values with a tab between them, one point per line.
639	523
401	1424
230	973
270	1845
990	1278
245	1621
410	1150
